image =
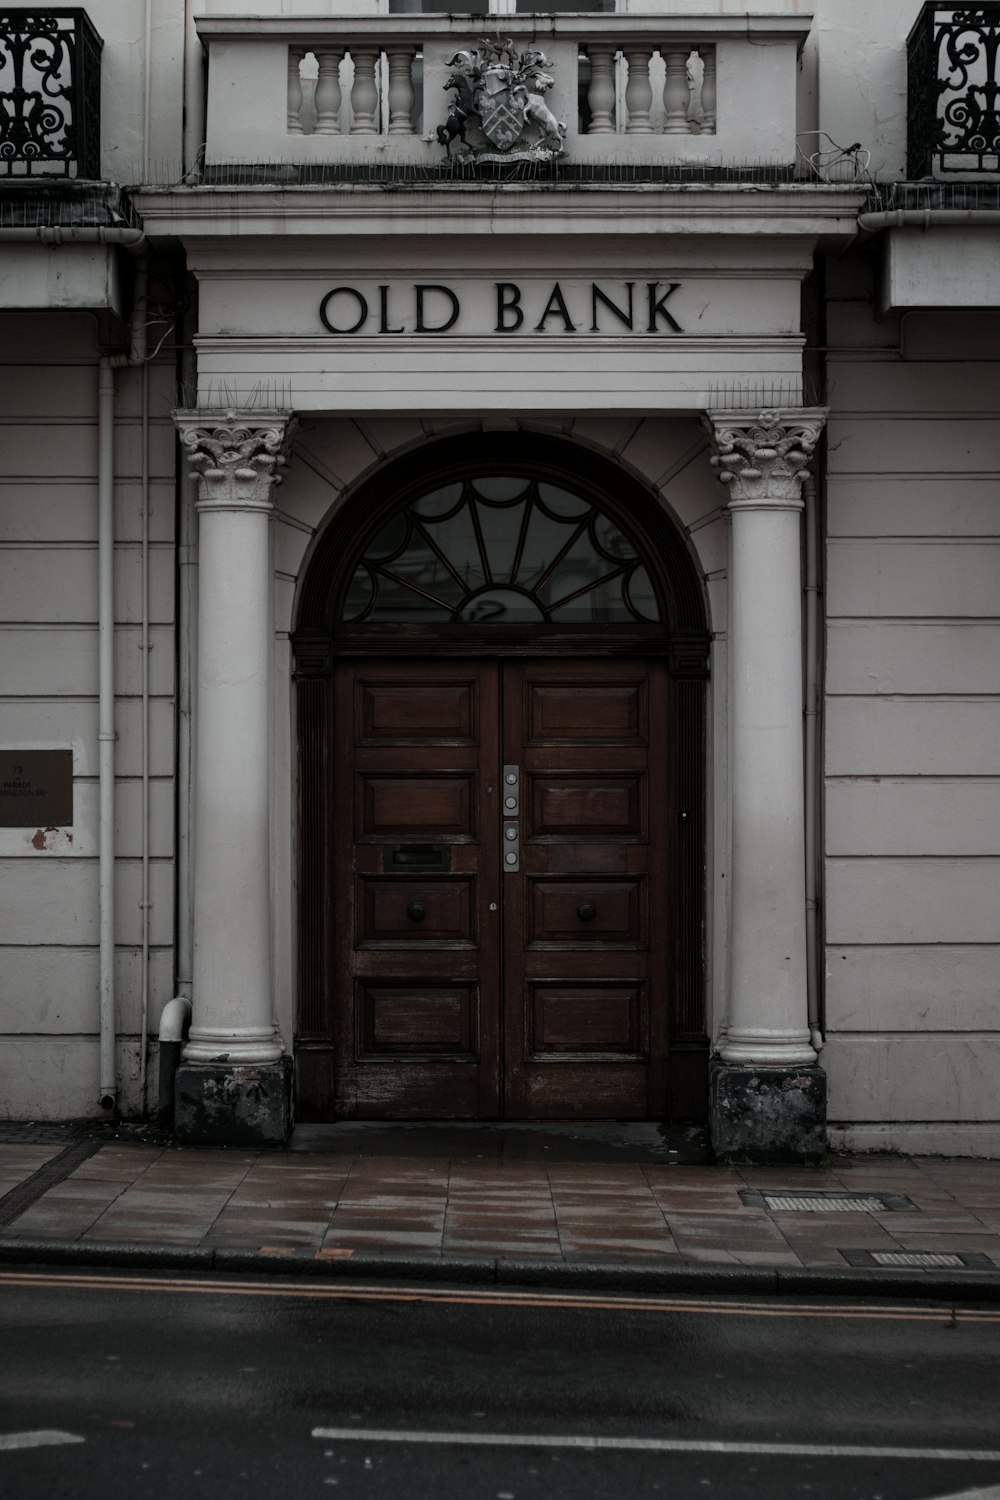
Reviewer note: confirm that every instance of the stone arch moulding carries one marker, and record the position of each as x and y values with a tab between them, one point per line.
683	633
681	637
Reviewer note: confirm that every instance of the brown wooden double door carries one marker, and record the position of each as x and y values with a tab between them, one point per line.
501	906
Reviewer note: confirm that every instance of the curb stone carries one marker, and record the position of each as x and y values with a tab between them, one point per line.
627	1276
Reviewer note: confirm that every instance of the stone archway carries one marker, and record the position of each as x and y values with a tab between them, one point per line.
501	1017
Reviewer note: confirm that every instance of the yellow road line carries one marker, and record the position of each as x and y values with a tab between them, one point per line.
494	1297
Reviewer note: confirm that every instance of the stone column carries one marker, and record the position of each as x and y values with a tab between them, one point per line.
768	1098
233	1083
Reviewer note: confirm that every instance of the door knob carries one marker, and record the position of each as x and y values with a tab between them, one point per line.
417	910
586	911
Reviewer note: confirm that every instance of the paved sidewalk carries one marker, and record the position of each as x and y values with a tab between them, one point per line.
480	1215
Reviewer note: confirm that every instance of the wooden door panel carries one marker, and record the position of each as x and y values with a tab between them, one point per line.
584	912
596	1020
408	1018
584	712
584	806
612	1091
581	858
399	710
415	862
399	805
395	910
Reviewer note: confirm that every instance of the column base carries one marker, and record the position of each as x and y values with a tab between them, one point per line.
233	1104
767	1114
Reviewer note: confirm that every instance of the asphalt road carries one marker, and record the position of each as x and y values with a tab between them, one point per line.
116	1385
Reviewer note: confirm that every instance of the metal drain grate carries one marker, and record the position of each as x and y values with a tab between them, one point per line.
915	1258
921	1260
784	1204
826	1203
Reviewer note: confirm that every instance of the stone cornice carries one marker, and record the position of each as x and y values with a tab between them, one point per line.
813	211
236	455
762	28
763	458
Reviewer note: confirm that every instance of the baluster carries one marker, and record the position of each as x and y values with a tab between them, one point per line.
401	91
601	94
364	95
708	89
295	56
676	93
328	95
638	94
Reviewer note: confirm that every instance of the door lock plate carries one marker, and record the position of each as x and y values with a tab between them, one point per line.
510	850
511	791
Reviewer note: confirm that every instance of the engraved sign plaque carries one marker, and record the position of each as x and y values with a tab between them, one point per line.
36	788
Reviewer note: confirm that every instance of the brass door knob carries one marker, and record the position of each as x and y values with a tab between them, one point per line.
417	910
586	911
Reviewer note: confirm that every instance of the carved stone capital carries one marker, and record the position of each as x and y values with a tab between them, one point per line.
763	458
236	455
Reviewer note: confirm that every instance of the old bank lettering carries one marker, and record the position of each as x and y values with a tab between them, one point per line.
502	308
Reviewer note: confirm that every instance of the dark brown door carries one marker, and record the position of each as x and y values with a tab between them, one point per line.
585	917
416	890
501	960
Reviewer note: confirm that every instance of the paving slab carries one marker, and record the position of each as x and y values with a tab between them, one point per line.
610	1208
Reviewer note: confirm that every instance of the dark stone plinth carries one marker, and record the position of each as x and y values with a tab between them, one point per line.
233	1104
767	1114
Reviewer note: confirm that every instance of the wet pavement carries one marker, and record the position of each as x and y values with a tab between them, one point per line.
130	1383
561	1197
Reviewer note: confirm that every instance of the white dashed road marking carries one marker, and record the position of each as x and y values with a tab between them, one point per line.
992	1492
650	1445
42	1439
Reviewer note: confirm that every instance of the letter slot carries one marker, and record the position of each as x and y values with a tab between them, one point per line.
417	857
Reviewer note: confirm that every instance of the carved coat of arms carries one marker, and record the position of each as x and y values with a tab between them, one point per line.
502	91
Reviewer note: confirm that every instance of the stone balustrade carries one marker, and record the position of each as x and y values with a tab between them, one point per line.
360	91
659	90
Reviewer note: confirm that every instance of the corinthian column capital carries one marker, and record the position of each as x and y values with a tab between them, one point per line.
236	455
762	458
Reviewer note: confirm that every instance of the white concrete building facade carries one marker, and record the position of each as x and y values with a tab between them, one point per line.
503	631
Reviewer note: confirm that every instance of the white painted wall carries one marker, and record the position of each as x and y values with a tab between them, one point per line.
48	700
912	809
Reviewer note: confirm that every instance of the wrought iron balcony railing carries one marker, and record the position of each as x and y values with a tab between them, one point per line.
50	94
953	107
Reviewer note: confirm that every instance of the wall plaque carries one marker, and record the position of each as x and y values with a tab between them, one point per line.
36	788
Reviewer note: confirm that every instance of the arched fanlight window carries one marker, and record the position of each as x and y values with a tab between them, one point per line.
496	548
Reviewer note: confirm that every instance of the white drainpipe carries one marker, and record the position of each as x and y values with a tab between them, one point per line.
811	760
106	719
926	218
133	240
175	1020
187	620
194	89
108	1092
